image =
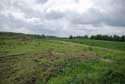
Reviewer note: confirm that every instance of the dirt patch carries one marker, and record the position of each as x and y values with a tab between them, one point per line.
8	57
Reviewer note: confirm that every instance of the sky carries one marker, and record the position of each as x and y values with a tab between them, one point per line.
63	17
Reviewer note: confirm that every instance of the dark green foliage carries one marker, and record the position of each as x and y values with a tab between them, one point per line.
100	37
108	38
70	37
113	77
79	37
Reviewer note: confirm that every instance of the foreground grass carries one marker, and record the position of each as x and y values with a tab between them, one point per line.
47	61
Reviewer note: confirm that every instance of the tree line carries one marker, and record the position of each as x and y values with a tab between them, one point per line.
101	37
96	37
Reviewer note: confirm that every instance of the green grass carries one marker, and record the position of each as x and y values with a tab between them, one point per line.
100	43
54	61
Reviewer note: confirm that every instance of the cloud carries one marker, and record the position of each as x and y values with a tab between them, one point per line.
54	15
42	1
63	17
112	15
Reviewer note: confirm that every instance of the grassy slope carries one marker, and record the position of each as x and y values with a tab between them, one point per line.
100	43
46	61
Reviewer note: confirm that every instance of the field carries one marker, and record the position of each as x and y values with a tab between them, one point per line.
31	60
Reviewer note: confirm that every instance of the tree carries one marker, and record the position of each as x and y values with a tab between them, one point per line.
70	37
43	36
86	37
122	38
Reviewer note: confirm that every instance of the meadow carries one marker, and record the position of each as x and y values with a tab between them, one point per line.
25	59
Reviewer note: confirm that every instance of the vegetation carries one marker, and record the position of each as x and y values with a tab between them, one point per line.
34	59
102	37
99	43
109	38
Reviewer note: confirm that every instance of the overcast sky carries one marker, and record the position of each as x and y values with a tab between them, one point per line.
63	17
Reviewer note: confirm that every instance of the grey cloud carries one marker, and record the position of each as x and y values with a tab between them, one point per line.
96	17
106	16
42	1
54	15
10	24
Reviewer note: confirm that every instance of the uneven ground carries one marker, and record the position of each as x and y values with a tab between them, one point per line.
48	61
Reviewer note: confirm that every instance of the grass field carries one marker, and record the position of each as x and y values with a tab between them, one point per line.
61	61
100	43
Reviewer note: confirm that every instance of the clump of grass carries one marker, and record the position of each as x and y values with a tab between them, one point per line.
90	48
113	77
